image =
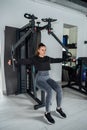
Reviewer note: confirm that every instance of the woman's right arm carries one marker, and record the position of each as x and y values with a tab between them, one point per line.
21	61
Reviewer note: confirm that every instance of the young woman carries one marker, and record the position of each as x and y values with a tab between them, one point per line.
43	80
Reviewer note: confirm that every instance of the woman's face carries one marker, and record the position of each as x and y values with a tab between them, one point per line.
42	51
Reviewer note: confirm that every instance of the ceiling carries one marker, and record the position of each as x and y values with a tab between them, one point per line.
80	5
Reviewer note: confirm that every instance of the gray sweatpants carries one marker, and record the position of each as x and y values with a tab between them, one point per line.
46	84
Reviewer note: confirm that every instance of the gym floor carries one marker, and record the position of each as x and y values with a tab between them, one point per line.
16	112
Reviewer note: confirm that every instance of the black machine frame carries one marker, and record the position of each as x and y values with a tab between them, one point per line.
26	73
28	30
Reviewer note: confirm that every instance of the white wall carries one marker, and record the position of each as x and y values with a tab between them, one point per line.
11	14
73	35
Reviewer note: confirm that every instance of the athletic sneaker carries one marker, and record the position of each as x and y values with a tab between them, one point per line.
49	118
61	113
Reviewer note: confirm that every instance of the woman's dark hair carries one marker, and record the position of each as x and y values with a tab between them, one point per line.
38	47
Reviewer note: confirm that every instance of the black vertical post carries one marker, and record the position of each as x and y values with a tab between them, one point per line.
23	75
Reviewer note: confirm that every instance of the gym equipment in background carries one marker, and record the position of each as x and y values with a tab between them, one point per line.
77	75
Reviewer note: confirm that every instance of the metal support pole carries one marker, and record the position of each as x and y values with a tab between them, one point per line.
21	40
58	40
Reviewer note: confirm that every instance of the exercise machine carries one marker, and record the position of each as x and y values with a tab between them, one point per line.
25	43
77	75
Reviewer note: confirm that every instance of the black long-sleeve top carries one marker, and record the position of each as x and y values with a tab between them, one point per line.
40	63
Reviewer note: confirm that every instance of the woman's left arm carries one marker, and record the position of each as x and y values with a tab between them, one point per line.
55	60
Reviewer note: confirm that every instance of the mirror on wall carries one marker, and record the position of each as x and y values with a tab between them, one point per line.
70	33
